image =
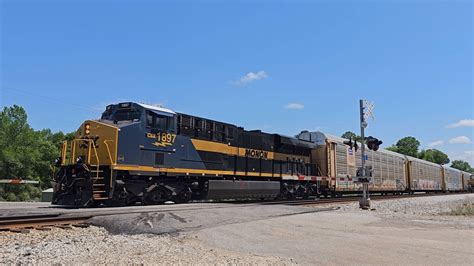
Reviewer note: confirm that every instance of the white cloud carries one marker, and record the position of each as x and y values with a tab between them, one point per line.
252	76
294	106
436	143
462	123
467	156
460	140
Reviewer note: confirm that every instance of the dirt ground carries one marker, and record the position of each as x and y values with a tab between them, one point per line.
349	238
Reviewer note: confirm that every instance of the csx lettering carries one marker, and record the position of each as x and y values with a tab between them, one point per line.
256	153
162	139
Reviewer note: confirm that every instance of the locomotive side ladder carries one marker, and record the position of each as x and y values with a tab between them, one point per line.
98	183
99	191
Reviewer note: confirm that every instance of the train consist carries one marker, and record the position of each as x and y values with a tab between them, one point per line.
391	172
143	153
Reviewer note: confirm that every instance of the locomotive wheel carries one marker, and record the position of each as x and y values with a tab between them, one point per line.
156	196
121	198
184	195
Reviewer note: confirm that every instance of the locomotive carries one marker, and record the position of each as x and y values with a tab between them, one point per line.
142	153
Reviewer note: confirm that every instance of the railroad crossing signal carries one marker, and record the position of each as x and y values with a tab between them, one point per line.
373	143
351	144
369	110
366	110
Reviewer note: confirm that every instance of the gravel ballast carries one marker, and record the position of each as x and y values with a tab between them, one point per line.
95	245
429	205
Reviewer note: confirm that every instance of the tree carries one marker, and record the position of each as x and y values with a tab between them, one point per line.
434	155
351	135
25	153
392	148
407	145
462	165
18	153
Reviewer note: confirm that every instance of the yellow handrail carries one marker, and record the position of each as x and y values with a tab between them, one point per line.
89	152
108	151
90	144
63	153
73	150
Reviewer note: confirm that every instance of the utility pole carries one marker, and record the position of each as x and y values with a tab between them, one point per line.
364	202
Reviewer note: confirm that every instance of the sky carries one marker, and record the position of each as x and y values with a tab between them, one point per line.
278	66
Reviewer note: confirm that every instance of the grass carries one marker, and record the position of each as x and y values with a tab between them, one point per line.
466	208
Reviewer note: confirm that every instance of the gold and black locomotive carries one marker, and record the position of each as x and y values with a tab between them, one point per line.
143	153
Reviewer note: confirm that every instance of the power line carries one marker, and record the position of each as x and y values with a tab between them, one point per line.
67	103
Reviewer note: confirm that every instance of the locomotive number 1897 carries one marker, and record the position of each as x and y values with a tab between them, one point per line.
162	139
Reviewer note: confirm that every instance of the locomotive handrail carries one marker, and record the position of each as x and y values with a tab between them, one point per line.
63	153
96	156
73	152
108	151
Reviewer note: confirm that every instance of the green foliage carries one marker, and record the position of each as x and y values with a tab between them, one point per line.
25	153
434	155
408	146
392	148
351	135
462	165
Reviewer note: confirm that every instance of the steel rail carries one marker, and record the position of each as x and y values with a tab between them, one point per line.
35	222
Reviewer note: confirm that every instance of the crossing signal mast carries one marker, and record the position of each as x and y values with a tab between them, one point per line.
366	111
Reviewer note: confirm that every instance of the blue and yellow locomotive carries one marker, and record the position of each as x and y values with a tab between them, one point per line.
143	153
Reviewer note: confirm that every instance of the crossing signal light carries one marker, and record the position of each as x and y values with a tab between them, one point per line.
373	143
351	144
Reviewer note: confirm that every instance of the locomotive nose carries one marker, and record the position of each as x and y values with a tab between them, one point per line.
103	137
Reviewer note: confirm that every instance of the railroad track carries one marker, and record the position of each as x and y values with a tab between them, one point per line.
41	222
81	217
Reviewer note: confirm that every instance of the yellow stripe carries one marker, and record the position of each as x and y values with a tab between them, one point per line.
186	171
211	146
203	145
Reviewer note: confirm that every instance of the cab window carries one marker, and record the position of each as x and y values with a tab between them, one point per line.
126	115
156	121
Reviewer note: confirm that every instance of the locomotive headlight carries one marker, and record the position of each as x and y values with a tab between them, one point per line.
87	129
